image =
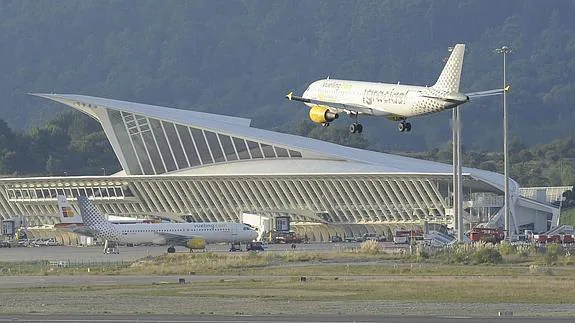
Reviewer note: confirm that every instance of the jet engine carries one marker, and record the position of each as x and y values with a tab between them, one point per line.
319	114
196	243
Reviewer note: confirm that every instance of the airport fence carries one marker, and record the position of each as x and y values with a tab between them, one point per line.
63	266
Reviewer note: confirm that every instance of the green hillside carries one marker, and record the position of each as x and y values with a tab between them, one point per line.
567	217
242	57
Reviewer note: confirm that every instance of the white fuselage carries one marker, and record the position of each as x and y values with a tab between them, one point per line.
162	233
382	99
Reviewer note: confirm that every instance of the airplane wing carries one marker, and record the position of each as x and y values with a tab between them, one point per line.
348	107
480	94
176	239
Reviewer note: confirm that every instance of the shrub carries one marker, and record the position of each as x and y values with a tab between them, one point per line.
487	256
370	247
506	248
552	253
568	259
527	250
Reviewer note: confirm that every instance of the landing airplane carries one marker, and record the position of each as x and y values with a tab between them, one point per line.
92	222
328	98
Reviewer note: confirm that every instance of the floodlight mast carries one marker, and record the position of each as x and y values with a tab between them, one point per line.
505	50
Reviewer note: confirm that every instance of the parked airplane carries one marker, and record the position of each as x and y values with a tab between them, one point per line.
191	235
328	98
69	220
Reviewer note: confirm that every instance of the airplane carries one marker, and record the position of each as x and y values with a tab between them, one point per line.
327	98
92	222
69	220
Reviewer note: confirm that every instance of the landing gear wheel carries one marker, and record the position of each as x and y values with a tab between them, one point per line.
352	128
355	128
401	126
171	250
404	126
325	124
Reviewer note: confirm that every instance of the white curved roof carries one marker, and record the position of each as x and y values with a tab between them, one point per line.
318	156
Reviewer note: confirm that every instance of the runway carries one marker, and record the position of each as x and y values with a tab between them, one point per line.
266	318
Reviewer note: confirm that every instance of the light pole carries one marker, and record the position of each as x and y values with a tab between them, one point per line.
104	170
504	50
457	179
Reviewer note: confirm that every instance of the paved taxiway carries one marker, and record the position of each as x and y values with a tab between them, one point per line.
95	253
271	318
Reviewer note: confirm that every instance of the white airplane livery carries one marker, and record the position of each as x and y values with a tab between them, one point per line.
191	235
328	98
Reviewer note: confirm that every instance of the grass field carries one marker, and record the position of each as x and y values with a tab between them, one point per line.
347	282
460	295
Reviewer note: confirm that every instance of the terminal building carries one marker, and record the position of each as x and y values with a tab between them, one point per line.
194	166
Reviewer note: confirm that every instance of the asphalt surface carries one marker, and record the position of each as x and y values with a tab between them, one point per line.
95	253
265	318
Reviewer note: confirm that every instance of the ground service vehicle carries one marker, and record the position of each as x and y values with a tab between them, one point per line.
336	239
493	235
402	237
286	237
255	246
374	236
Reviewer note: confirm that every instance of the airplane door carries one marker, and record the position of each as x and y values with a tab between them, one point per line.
234	230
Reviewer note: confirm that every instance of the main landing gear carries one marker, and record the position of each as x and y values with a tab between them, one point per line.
404	126
111	247
355	127
171	249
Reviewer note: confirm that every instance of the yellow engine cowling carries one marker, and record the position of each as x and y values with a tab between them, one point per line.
196	243
319	114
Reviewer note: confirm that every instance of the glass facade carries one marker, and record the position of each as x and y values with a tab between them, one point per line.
153	146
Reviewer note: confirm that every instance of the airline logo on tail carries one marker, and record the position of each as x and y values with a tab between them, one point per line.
67	212
69	220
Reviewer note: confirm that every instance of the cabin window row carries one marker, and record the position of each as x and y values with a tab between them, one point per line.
174	230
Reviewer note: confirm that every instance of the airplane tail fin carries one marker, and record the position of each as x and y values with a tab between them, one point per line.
66	212
89	212
448	81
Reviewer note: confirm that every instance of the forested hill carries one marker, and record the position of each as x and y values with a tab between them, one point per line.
242	57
